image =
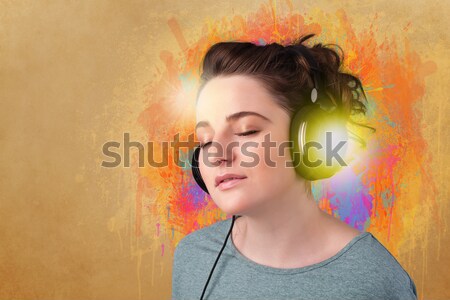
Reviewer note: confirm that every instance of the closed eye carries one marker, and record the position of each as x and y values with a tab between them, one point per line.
247	133
238	134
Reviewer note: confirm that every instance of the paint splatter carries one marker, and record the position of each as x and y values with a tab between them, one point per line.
381	191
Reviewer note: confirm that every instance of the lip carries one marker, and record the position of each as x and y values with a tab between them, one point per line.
220	178
230	183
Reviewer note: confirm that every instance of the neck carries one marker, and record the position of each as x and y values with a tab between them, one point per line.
283	232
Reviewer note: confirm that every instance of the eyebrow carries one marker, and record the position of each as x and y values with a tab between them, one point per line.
234	117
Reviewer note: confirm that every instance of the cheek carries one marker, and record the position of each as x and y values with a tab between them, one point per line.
206	170
266	162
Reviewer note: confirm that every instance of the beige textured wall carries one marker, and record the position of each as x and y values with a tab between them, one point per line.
72	76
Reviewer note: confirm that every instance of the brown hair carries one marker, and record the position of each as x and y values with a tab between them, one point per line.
286	73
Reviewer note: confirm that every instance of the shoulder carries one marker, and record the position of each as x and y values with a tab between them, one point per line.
377	263
381	257
194	254
206	239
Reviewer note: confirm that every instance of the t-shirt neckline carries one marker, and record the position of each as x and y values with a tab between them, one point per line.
286	271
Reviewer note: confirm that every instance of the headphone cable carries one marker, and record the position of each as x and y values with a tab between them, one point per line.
212	270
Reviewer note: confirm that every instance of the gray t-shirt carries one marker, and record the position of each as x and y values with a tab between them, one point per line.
363	269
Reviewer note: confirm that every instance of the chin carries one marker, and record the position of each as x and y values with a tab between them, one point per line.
232	204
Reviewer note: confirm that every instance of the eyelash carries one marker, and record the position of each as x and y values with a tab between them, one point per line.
239	134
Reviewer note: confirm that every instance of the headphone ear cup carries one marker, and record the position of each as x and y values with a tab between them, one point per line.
196	170
309	134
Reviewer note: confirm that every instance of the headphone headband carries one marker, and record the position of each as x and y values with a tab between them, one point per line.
324	100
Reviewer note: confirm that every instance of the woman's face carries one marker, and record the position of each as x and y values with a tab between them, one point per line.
247	156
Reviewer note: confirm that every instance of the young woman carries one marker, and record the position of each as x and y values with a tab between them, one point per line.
282	245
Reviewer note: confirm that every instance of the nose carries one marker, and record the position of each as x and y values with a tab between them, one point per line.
224	154
223	151
220	161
